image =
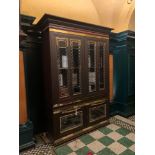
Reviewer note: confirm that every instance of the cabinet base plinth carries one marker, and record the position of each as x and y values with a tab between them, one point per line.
124	110
26	136
79	133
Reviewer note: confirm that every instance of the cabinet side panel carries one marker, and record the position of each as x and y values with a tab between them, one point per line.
107	69
47	78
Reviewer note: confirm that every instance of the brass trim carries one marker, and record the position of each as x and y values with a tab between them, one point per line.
68	111
92	42
76	33
57	112
77	101
85	129
75	40
67	136
72	109
61	39
57	105
98	102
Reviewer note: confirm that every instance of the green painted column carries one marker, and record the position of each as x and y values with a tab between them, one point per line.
122	47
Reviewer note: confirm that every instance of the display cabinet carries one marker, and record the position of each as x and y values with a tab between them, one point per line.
75	71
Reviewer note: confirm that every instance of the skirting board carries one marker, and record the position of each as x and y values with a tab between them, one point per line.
26	136
125	110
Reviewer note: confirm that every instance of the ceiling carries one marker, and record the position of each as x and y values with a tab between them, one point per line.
117	14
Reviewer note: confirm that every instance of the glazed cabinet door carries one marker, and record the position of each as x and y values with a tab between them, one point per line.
92	66
101	64
63	67
95	59
97	112
69	66
68	121
76	66
103	69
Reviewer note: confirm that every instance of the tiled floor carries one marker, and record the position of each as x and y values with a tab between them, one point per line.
109	140
132	118
114	139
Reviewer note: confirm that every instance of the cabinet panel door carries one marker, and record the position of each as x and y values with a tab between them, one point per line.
97	112
101	64
63	67
76	77
71	121
91	66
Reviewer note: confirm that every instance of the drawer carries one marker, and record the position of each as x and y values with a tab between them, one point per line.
68	121
97	112
71	121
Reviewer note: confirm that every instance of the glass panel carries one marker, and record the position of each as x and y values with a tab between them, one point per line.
76	67
97	112
92	66
62	44
71	121
101	67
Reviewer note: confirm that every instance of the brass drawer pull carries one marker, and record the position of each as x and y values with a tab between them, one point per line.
68	111
97	103
77	101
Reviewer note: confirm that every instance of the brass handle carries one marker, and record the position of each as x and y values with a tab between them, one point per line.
77	101
97	103
72	110
68	111
57	105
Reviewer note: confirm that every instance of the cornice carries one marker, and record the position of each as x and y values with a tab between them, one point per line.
28	37
49	20
122	35
122	40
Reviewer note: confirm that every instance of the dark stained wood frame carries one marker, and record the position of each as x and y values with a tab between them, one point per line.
83	102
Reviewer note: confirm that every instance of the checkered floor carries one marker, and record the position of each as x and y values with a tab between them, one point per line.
132	118
114	139
109	140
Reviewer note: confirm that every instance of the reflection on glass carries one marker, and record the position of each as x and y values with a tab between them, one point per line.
92	66
62	44
101	67
71	121
76	67
97	112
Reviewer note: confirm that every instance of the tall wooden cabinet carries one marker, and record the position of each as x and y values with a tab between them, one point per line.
76	78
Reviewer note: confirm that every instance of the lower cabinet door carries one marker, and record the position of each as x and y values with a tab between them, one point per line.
97	112
71	121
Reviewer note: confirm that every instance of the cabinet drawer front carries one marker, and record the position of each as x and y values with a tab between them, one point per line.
97	112
71	121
